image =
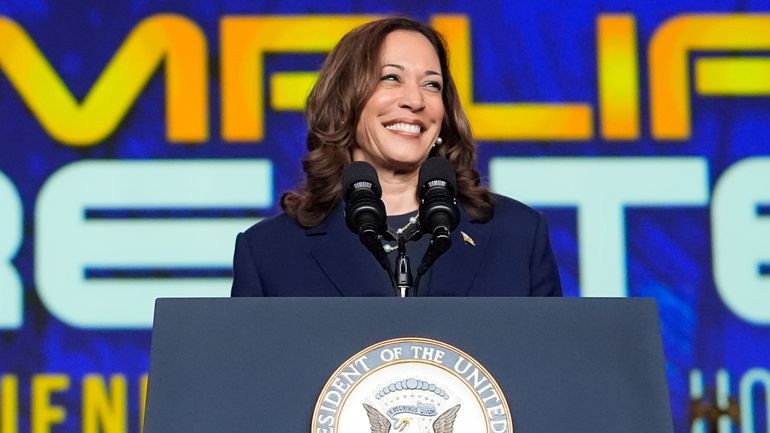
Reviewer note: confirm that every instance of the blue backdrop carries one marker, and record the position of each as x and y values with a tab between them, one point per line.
127	126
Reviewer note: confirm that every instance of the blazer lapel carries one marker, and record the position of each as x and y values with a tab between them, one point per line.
349	265
355	272
454	272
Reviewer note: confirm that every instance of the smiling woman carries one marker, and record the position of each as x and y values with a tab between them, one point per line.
402	118
385	96
380	63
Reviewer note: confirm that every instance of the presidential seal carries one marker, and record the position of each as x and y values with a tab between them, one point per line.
411	385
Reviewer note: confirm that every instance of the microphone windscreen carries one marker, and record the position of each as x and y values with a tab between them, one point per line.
435	168
360	171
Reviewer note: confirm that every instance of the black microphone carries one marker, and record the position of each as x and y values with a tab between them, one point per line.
364	210
439	214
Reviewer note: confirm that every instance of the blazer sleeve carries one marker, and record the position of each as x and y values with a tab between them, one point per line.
544	272
246	281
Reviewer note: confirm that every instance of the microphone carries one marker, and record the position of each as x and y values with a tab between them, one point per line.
364	210
439	214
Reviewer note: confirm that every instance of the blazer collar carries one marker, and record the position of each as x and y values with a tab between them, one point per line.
354	271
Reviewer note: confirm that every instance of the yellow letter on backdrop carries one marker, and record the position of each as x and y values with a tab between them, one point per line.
618	73
669	59
104	411
172	38
9	403
44	414
244	42
514	121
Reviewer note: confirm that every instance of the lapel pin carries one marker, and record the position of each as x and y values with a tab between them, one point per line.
467	239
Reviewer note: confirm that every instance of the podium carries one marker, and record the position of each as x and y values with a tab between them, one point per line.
291	365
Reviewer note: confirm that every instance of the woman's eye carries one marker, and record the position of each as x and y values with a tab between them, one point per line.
390	77
434	85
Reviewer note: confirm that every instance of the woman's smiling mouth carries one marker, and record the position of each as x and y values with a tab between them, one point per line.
410	128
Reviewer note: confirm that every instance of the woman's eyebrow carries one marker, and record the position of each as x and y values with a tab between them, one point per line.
401	67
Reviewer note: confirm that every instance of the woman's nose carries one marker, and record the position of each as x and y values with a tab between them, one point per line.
412	98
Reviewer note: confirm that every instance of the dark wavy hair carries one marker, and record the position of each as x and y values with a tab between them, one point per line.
347	79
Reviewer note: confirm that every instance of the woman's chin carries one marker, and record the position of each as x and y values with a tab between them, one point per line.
405	165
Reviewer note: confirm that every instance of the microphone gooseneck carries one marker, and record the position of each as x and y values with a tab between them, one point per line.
364	210
439	214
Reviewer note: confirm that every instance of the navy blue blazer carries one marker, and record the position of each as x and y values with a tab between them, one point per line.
512	256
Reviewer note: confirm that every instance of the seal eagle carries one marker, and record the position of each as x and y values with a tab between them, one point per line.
379	423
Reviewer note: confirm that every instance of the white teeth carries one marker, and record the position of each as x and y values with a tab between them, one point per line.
406	127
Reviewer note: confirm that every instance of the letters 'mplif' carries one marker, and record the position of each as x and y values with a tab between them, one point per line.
181	45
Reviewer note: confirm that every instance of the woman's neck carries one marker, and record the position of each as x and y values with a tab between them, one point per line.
399	192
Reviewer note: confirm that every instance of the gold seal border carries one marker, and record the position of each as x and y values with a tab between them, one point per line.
477	364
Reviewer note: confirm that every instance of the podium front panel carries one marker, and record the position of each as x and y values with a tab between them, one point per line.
253	365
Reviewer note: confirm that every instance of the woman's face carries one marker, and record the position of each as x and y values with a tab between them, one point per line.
402	118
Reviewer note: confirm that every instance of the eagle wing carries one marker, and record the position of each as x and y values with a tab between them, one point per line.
379	423
446	421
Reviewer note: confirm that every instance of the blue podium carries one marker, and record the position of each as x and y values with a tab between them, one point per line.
468	365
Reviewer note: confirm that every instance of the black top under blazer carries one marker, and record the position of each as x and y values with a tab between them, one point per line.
512	256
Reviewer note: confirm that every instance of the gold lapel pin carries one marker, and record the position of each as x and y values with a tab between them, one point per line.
467	239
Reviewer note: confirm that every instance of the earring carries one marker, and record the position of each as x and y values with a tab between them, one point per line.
438	142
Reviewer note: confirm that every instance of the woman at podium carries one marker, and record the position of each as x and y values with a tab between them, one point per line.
385	97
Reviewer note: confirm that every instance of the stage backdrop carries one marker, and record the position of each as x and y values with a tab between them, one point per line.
138	138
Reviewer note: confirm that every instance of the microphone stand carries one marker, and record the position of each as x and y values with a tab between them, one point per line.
439	243
403	272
